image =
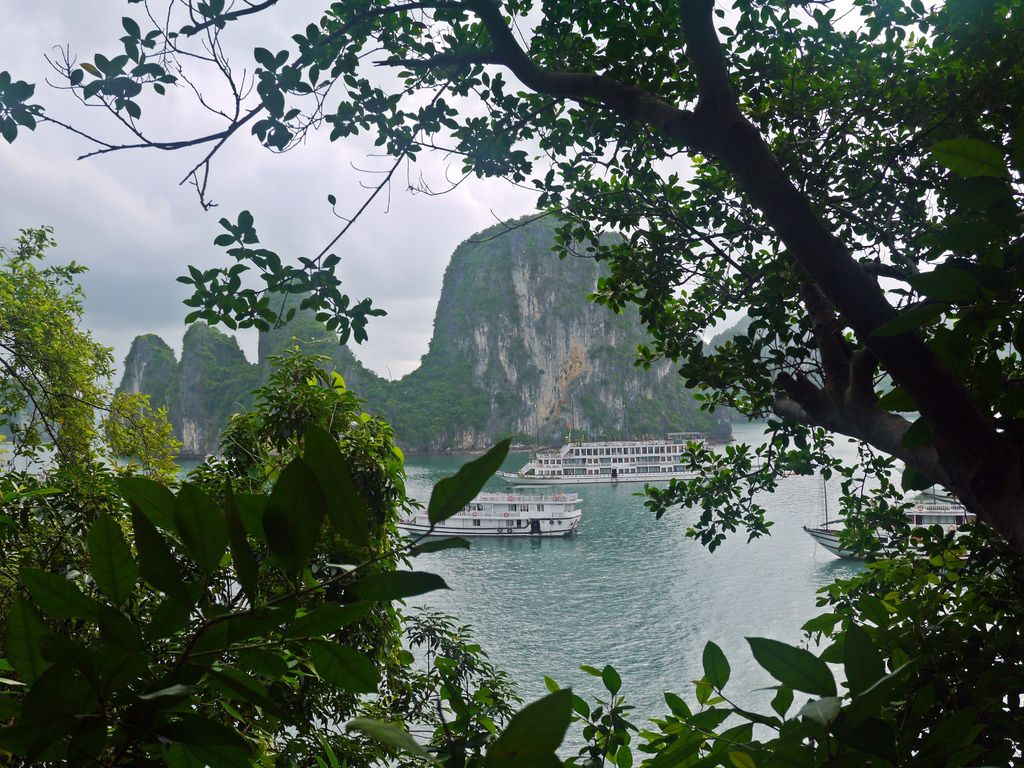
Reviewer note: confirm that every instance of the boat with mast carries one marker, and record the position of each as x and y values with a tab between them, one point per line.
637	461
928	509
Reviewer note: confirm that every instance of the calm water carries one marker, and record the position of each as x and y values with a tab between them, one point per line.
633	591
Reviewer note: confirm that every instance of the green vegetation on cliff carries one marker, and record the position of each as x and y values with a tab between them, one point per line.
517	350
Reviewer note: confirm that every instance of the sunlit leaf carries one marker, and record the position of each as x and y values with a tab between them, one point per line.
344	667
798	668
970	157
716	666
453	493
294	516
202	526
113	567
58	596
533	734
396	585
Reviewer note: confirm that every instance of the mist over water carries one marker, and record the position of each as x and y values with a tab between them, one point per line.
633	591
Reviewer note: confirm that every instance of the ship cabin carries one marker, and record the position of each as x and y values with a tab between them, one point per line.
615	459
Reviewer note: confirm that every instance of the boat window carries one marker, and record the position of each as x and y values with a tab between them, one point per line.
540	507
476	522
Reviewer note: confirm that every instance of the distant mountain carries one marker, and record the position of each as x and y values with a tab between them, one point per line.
516	350
730	333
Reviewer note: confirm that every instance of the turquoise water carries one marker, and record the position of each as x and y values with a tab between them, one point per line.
633	591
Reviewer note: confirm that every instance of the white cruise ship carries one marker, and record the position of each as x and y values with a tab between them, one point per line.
505	514
638	461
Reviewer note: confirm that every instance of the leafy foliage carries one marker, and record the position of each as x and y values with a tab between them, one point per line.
54	376
885	148
144	650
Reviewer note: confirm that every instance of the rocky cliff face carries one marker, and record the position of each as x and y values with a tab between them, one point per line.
212	381
150	368
516	350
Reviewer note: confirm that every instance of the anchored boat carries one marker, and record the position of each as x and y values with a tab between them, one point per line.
505	514
637	461
928	509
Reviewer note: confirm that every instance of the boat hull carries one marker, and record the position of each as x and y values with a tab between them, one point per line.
829	539
492	533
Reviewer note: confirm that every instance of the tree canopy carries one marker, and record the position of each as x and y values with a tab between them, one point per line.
847	173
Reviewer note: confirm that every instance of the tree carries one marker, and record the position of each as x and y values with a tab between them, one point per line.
192	631
54	377
850	187
52	372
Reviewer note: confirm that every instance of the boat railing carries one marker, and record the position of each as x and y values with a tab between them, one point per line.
522	498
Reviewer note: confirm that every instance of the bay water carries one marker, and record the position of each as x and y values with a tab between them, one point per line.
635	592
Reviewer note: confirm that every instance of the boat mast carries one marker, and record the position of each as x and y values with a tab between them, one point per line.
824	495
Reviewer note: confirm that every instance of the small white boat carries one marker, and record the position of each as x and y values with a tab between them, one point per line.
505	514
623	461
929	509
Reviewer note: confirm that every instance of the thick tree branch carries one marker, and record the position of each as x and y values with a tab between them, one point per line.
803	402
628	101
835	355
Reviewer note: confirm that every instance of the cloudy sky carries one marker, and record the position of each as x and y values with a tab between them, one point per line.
125	216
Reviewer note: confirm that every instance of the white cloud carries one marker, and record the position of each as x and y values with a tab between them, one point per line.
125	216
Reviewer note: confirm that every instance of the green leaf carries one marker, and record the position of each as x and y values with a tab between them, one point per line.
202	526
910	319
798	668
821	710
741	760
913	480
251	508
344	667
716	666
1018	336
396	585
113	567
243	687
862	661
346	508
131	27
24	631
970	157
58	596
438	545
387	734
897	399
874	610
156	563
783	700
947	284
533	734
194	729
154	500
294	516
326	619
246	568
453	493
611	679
